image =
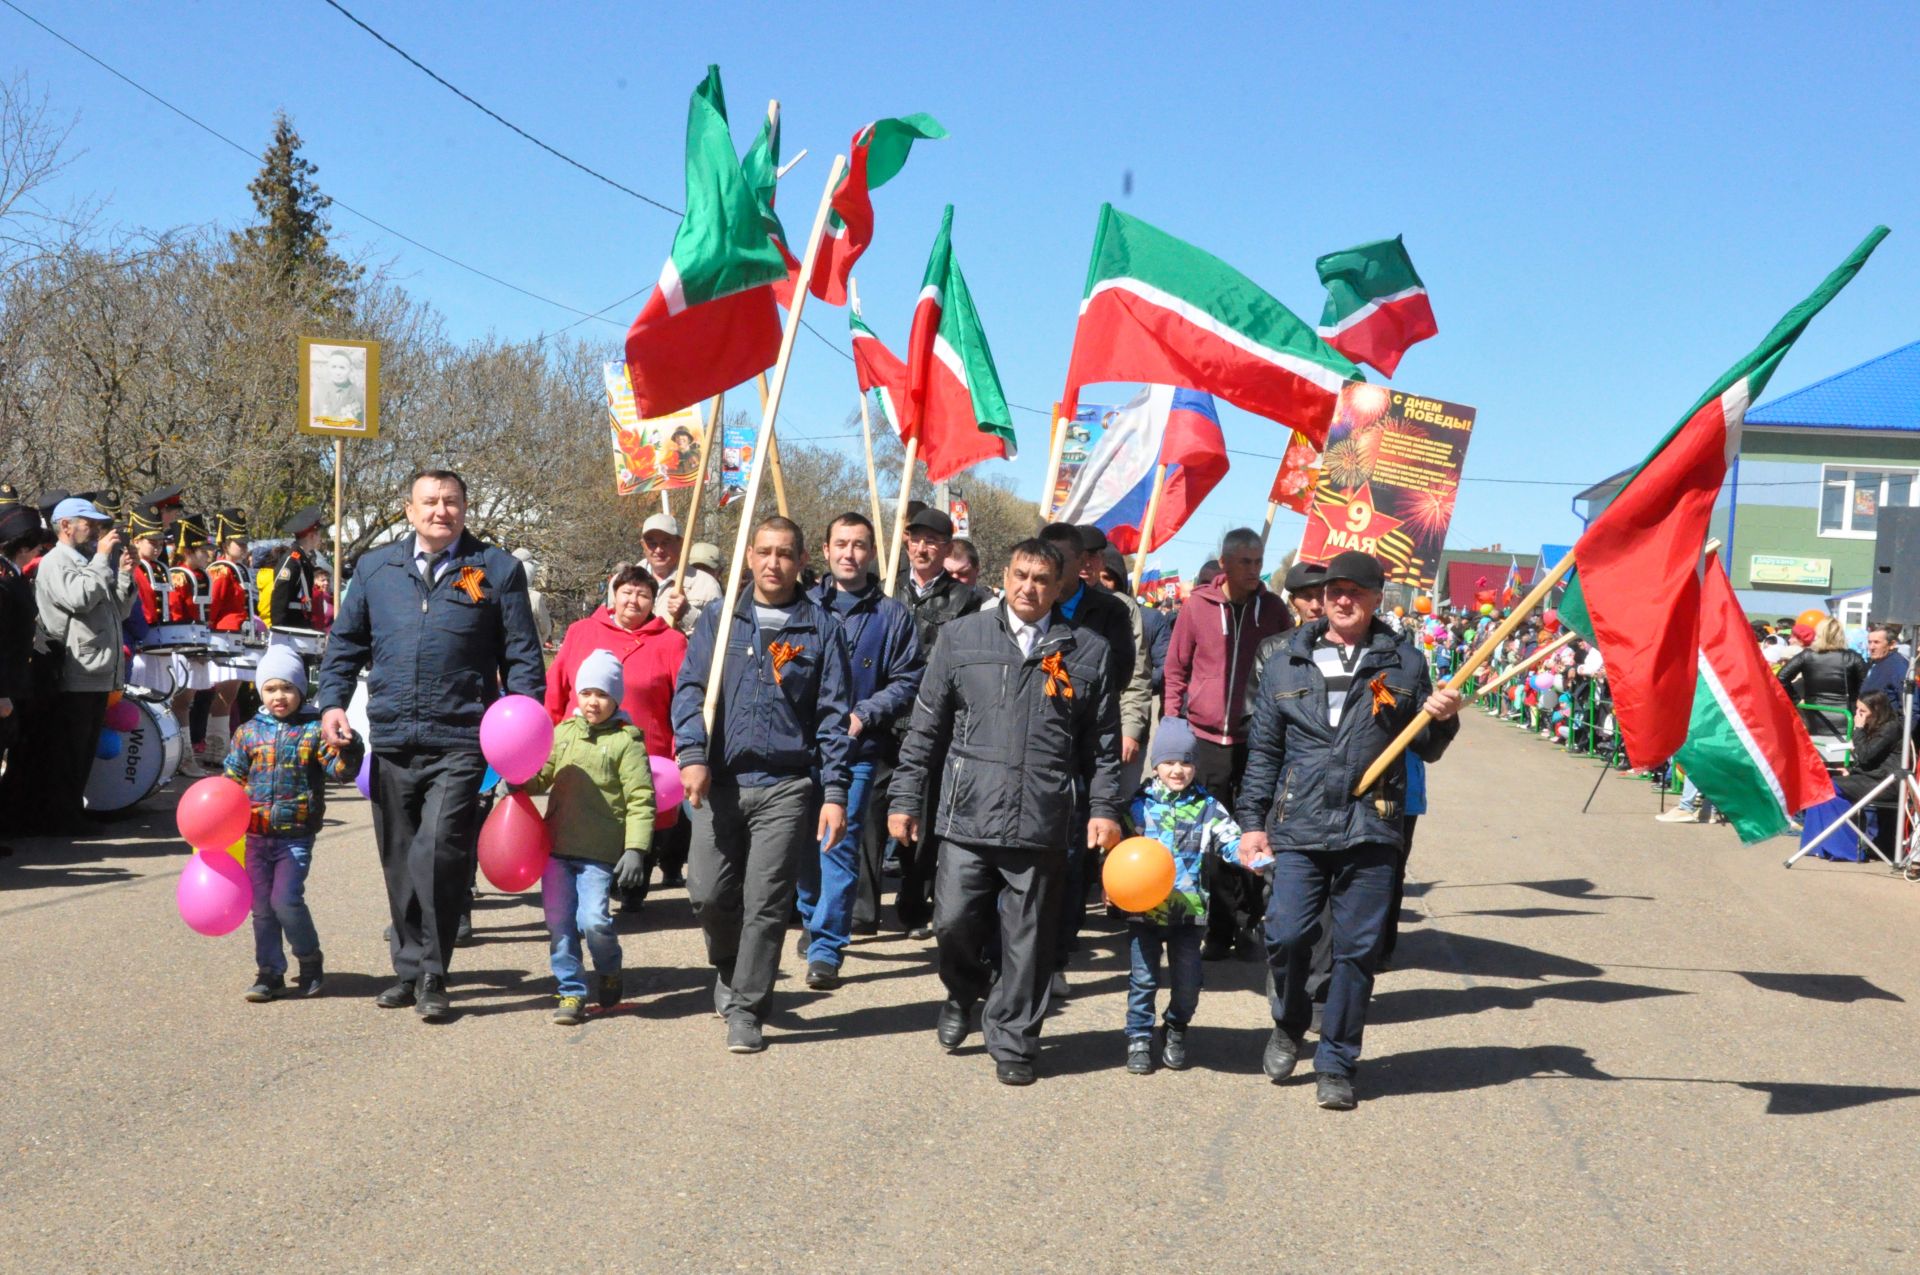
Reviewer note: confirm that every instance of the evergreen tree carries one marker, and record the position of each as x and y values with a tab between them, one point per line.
289	243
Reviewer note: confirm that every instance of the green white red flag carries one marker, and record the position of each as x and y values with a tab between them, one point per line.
711	323
879	369
875	157
954	403
1158	310
1746	748
1376	305
1635	590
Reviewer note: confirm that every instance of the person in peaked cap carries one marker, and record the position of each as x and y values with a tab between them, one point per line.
232	589
150	564
9	495
292	604
660	541
166	502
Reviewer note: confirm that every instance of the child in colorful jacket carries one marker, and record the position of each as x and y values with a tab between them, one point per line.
279	758
600	817
1179	814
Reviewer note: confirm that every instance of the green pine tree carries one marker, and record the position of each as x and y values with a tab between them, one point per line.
289	243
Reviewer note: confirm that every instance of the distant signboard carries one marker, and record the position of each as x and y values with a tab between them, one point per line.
1804	573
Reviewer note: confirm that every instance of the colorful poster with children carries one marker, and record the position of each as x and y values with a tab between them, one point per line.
660	453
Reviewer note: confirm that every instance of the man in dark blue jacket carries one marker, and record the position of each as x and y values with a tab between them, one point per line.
441	622
780	720
883	650
1335	694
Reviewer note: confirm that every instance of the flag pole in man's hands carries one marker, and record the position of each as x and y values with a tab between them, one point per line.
714	415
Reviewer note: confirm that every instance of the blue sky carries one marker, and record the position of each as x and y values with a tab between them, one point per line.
1609	205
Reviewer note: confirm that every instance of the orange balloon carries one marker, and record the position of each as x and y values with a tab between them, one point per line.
1399	611
1423	605
1811	617
1139	874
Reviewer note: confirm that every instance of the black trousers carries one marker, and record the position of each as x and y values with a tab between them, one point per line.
426	810
48	768
870	856
1321	974
984	894
1235	897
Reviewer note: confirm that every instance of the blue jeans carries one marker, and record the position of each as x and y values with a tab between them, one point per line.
278	868
573	893
1145	942
1360	884
830	879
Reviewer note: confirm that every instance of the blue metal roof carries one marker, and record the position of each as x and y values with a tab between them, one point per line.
1882	393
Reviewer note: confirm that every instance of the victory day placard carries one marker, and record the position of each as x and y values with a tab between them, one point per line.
1388	480
648	455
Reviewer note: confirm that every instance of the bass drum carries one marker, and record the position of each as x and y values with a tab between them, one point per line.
147	763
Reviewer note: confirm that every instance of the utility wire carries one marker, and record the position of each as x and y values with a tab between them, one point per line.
338	203
492	114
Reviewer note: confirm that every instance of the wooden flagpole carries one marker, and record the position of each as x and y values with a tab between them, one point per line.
866	430
1266	529
760	458
714	416
1055	450
1146	526
1485	651
339	570
900	516
773	455
1531	662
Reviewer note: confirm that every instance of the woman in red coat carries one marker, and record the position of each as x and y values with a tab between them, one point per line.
649	649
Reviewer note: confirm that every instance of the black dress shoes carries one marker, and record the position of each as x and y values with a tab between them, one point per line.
399	996
433	1004
1013	1073
953	1024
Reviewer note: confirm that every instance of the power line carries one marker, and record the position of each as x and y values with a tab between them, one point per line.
215	133
492	114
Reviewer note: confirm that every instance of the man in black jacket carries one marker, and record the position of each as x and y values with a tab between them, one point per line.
1019	702
1332	698
441	620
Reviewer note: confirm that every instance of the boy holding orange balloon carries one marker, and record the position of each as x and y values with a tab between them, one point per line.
1178	815
282	762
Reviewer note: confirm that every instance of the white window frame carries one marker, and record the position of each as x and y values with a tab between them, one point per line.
1828	476
1853	613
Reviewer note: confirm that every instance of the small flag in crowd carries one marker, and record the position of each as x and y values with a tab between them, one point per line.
879	370
954	406
1161	311
1376	305
1635	589
1298	475
878	153
1747	749
711	323
1162	425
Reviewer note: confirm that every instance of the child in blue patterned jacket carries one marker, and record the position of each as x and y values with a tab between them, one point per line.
1172	809
280	759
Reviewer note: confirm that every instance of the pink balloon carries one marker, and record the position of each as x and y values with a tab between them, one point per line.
214	893
213	813
668	792
516	736
123	716
514	845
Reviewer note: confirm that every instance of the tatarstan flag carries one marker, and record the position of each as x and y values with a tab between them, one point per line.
1162	311
1746	748
954	404
711	323
876	156
880	371
1635	591
1376	305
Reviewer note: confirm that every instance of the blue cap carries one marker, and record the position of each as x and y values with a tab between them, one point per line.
74	507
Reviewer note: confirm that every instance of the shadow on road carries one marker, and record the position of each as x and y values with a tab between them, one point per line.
1521	914
1418	1004
1478	957
1579	888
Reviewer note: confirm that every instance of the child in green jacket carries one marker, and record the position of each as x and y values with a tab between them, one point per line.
600	816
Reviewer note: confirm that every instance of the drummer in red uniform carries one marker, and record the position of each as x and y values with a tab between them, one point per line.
149	564
229	606
190	599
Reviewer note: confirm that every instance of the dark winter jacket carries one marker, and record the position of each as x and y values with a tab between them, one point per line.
1301	772
883	654
1159	634
18	614
1014	751
944	601
437	654
1118	623
770	724
1829	678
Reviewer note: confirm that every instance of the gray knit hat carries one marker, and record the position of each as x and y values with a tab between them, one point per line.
1173	741
601	671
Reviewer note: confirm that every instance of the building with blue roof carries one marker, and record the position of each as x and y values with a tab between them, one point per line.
1800	508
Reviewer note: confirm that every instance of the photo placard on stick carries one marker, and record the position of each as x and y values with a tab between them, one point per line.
339	387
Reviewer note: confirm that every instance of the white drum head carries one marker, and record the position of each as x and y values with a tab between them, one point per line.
148	761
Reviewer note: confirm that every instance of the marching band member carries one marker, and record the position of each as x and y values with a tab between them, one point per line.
293	583
231	592
191	597
150	566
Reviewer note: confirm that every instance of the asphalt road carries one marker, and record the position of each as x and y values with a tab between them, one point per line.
1610	1044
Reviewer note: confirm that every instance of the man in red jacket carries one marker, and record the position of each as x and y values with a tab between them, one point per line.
1209	663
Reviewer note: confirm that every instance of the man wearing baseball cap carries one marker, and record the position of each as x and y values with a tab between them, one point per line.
83	589
1338	691
660	542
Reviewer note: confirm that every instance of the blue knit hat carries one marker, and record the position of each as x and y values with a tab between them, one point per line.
1173	741
281	664
601	671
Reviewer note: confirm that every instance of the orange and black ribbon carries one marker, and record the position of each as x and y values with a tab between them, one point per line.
781	652
469	581
1382	695
1058	683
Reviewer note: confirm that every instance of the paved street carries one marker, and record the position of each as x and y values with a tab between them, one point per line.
1609	1045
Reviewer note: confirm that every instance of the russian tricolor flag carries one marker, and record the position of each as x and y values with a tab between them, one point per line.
1161	424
